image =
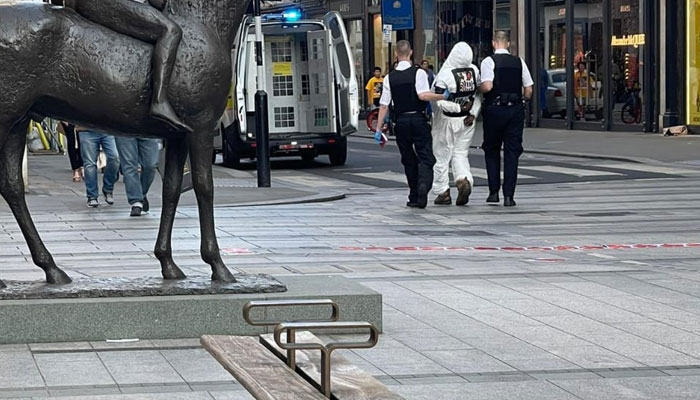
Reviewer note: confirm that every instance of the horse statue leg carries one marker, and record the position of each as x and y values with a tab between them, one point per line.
12	189
201	149
175	157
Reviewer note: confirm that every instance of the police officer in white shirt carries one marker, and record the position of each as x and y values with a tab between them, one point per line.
506	84
408	90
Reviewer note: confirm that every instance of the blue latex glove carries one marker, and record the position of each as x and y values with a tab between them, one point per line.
378	136
446	94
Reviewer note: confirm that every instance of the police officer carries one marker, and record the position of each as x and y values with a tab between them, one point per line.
408	90
506	84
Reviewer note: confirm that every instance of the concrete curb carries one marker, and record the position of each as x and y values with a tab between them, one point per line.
314	198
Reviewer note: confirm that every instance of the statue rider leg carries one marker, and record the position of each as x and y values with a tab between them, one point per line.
149	24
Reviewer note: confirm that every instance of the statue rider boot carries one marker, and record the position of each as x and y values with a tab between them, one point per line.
164	54
444	199
160	106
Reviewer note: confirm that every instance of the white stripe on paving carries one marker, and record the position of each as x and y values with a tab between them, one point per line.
481	173
383	176
569	171
649	168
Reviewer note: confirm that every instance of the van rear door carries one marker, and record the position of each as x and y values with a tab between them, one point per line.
345	76
321	117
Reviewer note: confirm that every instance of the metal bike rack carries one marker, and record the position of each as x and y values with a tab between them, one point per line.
326	349
291	334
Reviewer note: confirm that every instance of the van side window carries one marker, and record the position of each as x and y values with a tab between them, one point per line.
340	49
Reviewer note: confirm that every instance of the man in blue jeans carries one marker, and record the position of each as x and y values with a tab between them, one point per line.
135	153
90	143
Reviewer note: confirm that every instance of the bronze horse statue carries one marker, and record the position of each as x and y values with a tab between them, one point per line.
55	63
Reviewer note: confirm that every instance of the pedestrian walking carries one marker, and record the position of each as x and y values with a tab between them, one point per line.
407	89
76	160
90	143
139	162
506	83
454	124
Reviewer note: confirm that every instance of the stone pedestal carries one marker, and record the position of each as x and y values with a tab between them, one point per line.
158	316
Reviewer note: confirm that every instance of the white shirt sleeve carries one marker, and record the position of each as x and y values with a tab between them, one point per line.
422	85
527	78
487	70
385	100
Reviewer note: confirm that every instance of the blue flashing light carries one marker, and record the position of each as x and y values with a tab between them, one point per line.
292	15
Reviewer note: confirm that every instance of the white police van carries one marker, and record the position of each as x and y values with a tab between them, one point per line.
312	90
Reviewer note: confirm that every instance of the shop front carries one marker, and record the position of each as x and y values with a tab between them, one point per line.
595	64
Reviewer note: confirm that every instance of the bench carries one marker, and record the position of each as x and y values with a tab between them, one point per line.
348	381
293	363
262	373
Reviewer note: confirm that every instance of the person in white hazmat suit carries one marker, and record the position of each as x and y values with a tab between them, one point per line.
454	124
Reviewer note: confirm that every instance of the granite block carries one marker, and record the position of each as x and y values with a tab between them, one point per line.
173	317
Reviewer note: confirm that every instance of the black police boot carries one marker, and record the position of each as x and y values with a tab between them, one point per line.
493	198
508	201
423	195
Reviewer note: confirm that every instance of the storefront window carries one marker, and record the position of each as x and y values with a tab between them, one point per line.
587	67
552	64
628	47
382	58
693	63
468	21
429	24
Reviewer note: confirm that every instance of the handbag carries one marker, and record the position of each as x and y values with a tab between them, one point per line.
187	183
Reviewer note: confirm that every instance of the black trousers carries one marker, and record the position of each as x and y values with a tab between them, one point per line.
416	146
76	160
503	127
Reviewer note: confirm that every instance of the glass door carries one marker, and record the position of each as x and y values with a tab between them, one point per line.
551	62
587	66
629	46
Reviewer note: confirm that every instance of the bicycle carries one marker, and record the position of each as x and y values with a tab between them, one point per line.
632	109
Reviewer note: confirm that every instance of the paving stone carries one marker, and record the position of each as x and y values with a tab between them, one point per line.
235	395
527	390
634	388
659	332
53	347
19	371
196	365
467	361
139	367
73	369
593	357
554	376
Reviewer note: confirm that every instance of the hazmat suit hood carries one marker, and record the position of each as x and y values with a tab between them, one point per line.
461	56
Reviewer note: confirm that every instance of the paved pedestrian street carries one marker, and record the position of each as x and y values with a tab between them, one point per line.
586	290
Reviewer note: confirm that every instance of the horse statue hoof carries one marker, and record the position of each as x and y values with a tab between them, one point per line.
56	276
222	275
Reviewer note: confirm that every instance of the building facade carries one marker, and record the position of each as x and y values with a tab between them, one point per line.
621	65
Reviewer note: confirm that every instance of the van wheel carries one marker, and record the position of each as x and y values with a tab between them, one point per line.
339	152
232	159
